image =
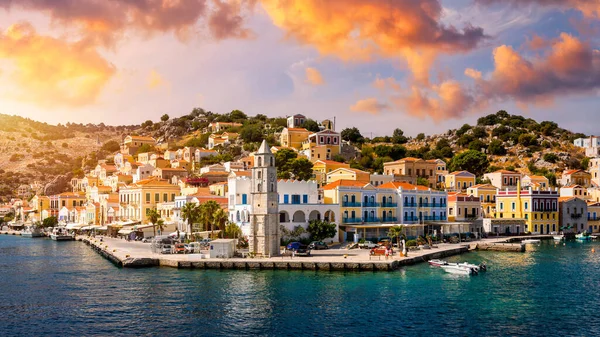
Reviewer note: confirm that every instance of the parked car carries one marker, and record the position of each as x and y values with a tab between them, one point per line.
148	239
381	250
193	248
179	248
318	245
293	246
166	249
367	245
205	242
303	250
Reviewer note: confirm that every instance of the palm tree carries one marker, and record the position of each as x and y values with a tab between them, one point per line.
220	218
161	225
396	232
190	213
207	212
153	216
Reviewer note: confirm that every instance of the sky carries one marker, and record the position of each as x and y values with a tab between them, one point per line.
421	66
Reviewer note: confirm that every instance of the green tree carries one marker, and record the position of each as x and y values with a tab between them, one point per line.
463	130
527	139
50	221
283	162
479	132
220	220
111	146
497	148
352	135
302	169
238	115
153	217
232	231
422	181
190	212
550	157
398	137
477	145
420	136
320	230
145	148
147	124
207	212
252	133
585	163
397	232
311	125
470	160
164	118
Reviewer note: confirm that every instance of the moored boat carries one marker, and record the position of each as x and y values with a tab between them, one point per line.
437	262
558	237
531	241
32	232
61	234
583	236
458	269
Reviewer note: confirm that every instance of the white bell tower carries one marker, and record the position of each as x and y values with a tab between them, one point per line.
264	231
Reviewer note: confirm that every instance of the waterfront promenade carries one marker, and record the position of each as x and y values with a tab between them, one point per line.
138	254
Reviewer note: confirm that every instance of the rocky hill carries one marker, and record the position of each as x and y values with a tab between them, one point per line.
39	152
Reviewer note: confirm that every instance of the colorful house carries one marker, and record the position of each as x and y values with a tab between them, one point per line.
504	179
411	169
573	215
459	181
538	209
136	200
463	207
487	197
578	177
293	137
344	173
537	182
322	145
322	167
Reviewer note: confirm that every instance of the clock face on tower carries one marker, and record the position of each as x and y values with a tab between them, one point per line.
272	177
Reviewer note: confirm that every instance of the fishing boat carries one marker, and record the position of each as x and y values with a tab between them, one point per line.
532	241
458	269
32	232
583	236
61	234
437	263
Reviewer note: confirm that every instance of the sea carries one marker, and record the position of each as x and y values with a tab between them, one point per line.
50	288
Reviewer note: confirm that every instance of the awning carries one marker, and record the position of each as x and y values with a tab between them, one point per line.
90	227
103	228
125	231
74	225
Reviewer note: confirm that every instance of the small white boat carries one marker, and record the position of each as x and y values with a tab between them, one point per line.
558	237
61	234
457	269
32	232
477	268
437	262
532	241
583	236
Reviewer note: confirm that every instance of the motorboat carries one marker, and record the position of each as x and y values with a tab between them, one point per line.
583	236
32	232
558	237
458	269
61	234
437	262
531	241
478	268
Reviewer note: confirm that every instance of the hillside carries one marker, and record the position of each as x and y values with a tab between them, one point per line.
39	152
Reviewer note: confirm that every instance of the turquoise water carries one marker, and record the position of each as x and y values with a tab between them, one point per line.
64	288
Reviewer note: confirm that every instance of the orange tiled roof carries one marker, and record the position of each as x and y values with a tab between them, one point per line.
298	129
572	186
331	162
344	182
484	185
506	172
142	138
403	185
563	199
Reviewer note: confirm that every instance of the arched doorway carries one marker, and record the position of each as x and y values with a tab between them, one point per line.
299	216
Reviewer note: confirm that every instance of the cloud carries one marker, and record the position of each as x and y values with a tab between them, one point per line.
386	83
472	73
357	30
569	66
313	76
370	105
51	72
589	8
155	80
449	99
106	21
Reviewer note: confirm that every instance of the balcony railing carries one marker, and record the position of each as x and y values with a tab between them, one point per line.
389	204
389	219
370	204
593	218
371	220
352	220
433	218
351	204
576	216
410	204
439	205
411	218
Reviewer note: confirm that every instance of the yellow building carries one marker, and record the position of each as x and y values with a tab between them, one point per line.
487	196
219	189
322	167
463	207
537	182
593	216
136	200
538	209
579	177
293	137
410	169
322	145
41	206
348	174
132	143
459	180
